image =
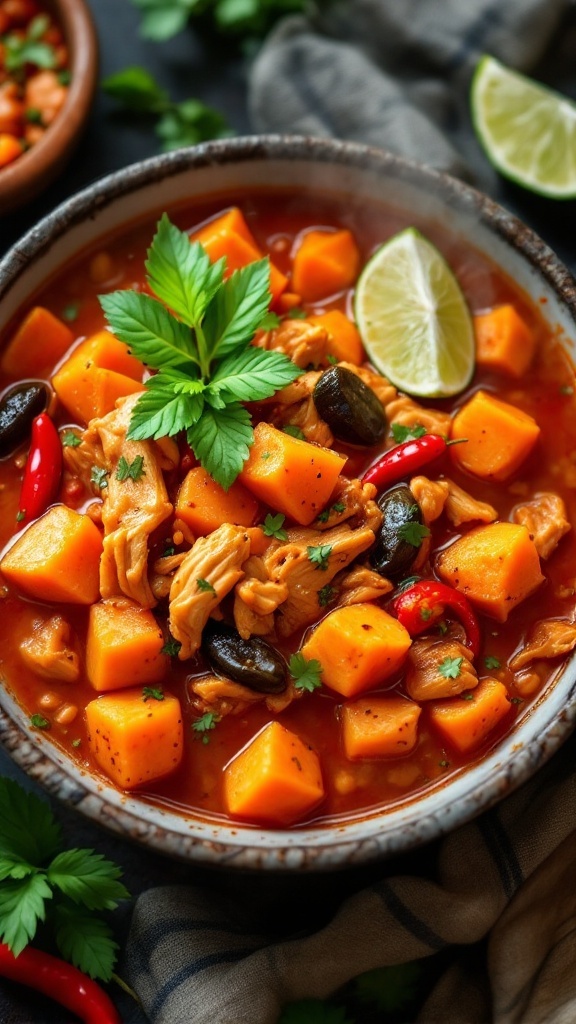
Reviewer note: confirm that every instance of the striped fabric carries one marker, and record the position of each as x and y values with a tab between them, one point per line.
392	73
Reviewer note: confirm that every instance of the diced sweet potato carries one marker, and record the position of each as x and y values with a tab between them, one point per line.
276	779
38	344
504	341
380	727
133	739
123	646
57	558
358	647
345	342
495	566
325	262
87	390
498	435
292	476
106	351
465	724
204	505
230	236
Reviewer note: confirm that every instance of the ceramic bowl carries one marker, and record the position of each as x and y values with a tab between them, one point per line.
28	176
350	172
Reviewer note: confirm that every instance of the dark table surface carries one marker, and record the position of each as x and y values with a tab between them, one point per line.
213	71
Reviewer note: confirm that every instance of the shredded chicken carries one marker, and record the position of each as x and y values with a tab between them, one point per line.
52	650
132	509
461	507
225	697
362	584
163	573
350	498
305	343
209	571
548	638
298	390
304	416
546	520
256	599
431	496
428	666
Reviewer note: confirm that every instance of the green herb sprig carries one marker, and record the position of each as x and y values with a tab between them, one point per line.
201	347
29	48
163	19
306	672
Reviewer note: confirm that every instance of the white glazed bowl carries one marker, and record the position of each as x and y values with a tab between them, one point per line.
350	172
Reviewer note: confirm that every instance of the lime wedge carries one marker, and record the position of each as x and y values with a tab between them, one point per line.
527	130
413	318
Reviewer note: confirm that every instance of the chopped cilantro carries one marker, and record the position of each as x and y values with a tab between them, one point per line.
491	662
413	533
71	440
294	431
467	696
99	478
326	594
205	586
273	526
319	555
39	722
171	647
205	724
151	693
450	667
333	360
305	672
296	313
130	470
400	433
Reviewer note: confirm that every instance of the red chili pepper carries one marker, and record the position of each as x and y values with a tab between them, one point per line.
61	982
42	471
405	458
420	606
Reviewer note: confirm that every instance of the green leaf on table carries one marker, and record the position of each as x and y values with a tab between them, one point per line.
137	90
29	833
162	19
189	122
88	878
85	941
22	906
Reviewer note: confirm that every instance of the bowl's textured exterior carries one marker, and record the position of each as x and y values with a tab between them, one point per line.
357	174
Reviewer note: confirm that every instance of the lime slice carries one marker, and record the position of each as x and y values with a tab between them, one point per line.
527	130
413	318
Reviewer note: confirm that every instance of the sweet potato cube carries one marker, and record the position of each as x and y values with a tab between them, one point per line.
123	646
87	390
358	647
57	558
108	353
345	342
325	262
38	344
276	779
204	505
230	236
495	566
380	727
292	476
135	739
498	435
504	341
465	724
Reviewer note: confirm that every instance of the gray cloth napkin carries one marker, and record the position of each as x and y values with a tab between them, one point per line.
394	74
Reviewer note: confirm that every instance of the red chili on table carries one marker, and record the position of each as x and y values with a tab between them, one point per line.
424	604
42	471
405	459
61	982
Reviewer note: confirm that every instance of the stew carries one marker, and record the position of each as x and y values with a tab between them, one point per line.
263	586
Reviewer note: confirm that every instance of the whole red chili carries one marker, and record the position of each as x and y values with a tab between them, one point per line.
405	458
42	471
61	982
420	606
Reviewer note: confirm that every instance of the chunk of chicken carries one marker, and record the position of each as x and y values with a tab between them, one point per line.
294	406
305	343
52	650
350	498
132	509
546	520
209	571
439	667
225	697
461	507
431	496
256	599
362	584
548	638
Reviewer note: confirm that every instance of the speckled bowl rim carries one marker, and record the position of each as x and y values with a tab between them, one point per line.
378	834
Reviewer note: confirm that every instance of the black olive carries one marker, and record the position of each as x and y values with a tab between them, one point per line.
392	554
253	662
349	407
18	407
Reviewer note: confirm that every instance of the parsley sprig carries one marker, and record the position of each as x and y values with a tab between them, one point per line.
201	347
39	883
306	672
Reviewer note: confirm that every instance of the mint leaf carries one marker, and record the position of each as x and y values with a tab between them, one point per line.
146	326
88	878
237	309
136	89
85	941
221	441
21	907
253	375
305	672
205	724
181	273
29	832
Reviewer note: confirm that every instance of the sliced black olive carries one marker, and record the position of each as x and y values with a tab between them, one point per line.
349	407
254	663
18	407
393	554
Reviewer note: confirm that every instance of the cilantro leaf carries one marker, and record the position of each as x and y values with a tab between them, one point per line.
152	692
130	470
150	331
400	433
270	322
171	647
88	878
99	478
39	722
238	308
296	313
273	526
253	375
136	89
181	273
29	833
319	555
85	941
294	432
190	122
326	594
221	442
491	662
71	440
205	724
413	533
205	586
305	672
450	667
22	905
